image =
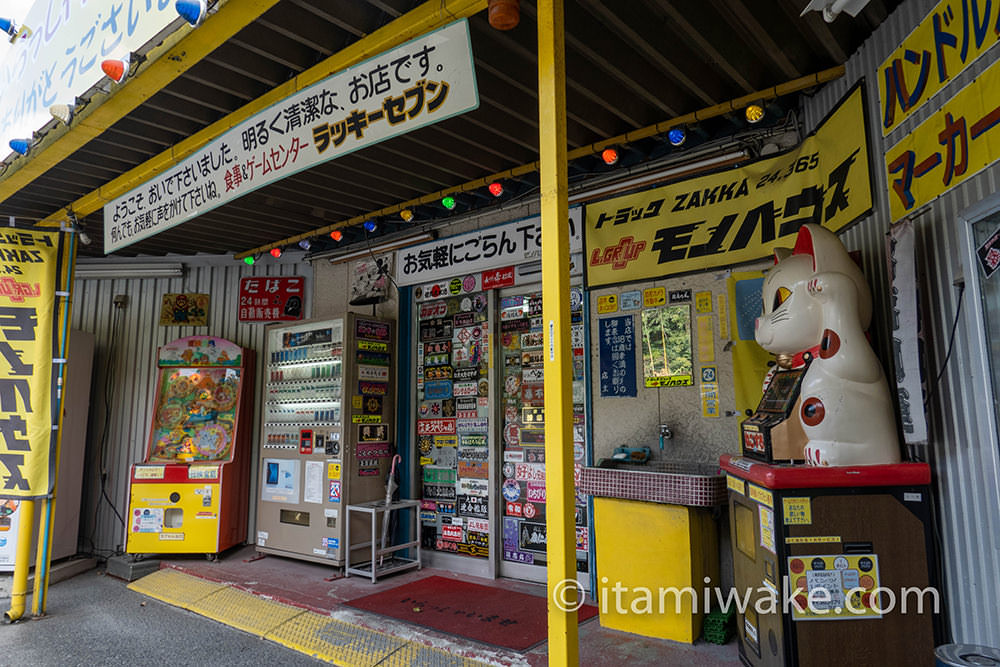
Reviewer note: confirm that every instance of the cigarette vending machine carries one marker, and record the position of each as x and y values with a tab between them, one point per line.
833	565
327	433
190	493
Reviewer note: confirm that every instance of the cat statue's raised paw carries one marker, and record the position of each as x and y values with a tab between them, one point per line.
817	304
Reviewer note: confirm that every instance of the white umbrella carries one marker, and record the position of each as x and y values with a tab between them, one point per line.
390	488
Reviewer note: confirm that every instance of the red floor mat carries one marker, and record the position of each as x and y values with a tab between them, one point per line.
487	614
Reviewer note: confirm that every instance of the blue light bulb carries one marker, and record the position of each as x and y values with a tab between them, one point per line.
192	11
21	146
370	225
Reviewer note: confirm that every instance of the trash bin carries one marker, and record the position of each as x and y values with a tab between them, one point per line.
966	655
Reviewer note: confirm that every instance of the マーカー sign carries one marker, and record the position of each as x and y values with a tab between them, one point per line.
419	83
737	215
948	148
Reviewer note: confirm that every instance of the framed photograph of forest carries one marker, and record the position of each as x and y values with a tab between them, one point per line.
666	346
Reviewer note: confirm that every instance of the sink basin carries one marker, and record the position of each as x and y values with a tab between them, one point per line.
673	482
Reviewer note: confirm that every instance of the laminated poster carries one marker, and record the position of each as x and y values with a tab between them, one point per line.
666	346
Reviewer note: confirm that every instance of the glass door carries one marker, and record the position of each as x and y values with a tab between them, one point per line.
520	342
453	425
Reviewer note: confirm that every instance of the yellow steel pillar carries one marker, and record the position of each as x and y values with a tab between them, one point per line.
19	587
560	493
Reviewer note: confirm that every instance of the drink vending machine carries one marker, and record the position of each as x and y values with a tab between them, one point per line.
189	494
327	433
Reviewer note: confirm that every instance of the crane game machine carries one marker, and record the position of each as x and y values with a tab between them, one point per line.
190	493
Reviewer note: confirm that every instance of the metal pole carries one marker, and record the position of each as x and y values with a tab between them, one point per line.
19	587
43	555
563	635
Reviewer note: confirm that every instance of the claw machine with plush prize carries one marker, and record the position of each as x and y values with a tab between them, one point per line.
190	493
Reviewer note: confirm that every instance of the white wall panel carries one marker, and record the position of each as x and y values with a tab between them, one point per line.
123	388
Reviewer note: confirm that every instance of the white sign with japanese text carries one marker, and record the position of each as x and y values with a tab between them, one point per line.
503	245
61	57
419	83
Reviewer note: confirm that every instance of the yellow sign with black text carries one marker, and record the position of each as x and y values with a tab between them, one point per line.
738	215
949	39
33	265
948	148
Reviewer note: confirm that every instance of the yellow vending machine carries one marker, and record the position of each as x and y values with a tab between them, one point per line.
327	434
190	493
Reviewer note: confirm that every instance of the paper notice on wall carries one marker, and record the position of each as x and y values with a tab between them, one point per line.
313	491
906	333
706	339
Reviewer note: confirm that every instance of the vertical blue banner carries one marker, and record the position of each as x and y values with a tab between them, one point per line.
617	341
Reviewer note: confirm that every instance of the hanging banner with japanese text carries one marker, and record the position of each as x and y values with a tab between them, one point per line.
948	148
952	37
58	52
738	215
906	334
424	81
32	266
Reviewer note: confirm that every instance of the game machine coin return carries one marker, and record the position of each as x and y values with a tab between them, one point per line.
189	494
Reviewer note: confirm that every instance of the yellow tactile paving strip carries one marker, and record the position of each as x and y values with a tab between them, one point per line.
304	631
176	588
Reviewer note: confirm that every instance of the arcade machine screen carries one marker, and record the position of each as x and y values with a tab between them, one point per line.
194	420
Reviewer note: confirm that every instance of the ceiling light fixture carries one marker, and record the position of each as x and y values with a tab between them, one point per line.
504	14
337	235
62	112
275	252
305	244
449	202
370	226
383	247
105	271
117	68
610	155
831	8
677	136
192	11
8	26
406	214
249	260
496	188
20	146
754	113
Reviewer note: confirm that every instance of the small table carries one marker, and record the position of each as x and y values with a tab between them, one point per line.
379	565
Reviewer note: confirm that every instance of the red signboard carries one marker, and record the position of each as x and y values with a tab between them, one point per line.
498	278
271	298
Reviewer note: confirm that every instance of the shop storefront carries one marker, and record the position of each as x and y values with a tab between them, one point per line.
477	398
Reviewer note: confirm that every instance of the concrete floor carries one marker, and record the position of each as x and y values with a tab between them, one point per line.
95	619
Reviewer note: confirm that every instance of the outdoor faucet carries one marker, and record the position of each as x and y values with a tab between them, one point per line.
665	434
